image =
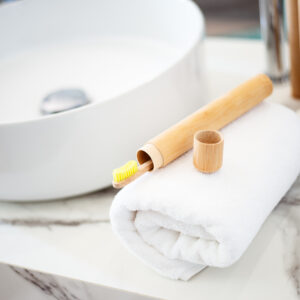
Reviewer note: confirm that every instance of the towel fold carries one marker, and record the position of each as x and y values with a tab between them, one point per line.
178	220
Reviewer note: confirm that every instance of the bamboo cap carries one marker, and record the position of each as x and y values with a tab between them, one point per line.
208	150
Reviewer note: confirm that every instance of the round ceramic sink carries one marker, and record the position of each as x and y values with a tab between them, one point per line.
138	62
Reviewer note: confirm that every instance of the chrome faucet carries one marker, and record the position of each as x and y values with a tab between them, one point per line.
274	34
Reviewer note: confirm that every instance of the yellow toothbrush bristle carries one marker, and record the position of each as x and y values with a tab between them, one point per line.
125	171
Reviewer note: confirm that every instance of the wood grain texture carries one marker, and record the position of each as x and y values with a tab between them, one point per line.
293	28
208	151
179	138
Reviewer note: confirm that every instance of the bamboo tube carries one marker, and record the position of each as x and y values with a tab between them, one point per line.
293	26
178	139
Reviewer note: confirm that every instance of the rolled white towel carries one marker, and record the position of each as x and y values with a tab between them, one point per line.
178	220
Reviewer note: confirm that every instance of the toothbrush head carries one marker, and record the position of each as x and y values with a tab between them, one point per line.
126	171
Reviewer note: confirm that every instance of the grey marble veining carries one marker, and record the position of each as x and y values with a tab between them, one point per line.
90	209
49	222
33	285
289	208
293	195
47	284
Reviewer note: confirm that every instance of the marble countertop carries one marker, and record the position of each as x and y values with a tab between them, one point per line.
65	249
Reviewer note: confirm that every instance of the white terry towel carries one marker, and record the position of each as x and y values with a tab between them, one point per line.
178	220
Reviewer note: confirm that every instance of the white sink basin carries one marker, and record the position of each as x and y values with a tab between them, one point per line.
139	61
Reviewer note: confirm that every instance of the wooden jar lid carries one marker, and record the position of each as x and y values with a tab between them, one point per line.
208	150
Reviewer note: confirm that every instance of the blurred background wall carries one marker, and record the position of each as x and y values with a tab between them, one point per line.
236	18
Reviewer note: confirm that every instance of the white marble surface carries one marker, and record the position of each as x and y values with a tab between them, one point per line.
73	238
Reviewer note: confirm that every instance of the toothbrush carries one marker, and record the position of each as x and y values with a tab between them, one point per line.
129	172
178	139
